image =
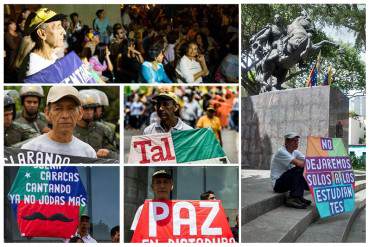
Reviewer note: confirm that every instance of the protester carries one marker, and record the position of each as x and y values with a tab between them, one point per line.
14	132
46	31
129	61
101	62
31	100
235	229
287	172
12	41
101	25
221	99
76	240
63	110
153	70
209	28
168	108
192	66
162	185
114	234
208	195
83	230
211	121
137	110
191	110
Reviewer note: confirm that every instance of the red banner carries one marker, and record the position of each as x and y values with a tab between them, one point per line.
182	222
47	220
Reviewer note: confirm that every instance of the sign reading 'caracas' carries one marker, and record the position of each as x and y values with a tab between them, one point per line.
187	146
68	69
182	222
47	201
328	172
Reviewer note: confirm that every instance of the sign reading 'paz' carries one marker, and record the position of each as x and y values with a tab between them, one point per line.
328	172
187	146
165	221
48	201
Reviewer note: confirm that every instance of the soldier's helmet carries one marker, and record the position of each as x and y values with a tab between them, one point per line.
89	98
10	103
31	91
103	97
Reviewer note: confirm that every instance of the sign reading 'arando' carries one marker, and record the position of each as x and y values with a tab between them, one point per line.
328	172
165	221
47	201
187	146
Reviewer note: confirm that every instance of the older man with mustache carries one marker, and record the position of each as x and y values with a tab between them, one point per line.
63	110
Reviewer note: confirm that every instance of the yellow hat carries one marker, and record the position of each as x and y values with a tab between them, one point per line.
43	15
167	95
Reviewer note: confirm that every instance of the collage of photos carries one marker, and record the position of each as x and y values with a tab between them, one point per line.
178	123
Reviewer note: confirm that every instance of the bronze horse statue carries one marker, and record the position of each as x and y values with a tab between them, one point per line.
296	46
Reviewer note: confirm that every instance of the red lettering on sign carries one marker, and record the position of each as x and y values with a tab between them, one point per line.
143	150
168	149
157	153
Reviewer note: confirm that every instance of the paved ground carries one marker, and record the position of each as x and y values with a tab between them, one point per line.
230	140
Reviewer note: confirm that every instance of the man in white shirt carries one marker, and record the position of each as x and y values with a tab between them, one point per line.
83	230
63	110
168	109
287	172
46	31
162	185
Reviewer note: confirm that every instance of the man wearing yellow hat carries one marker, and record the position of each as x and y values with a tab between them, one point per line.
167	107
210	120
46	31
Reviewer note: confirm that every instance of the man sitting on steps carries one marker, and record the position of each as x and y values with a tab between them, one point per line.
287	172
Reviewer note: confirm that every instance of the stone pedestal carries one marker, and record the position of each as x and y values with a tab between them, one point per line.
316	111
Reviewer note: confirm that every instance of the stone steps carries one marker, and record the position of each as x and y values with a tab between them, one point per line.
333	229
258	197
265	218
357	233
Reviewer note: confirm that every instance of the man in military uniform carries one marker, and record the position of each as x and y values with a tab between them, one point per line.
14	132
99	110
93	132
30	115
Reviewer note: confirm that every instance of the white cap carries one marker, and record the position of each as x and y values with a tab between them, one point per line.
58	92
291	135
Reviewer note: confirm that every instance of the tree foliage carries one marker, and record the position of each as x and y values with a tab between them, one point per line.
348	67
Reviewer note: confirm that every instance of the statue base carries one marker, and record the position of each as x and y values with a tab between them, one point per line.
266	118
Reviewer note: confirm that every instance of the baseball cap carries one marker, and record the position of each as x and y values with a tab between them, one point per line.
84	216
161	174
211	108
291	135
167	95
42	15
58	92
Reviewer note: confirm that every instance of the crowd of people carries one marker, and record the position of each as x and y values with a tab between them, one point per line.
71	123
199	107
151	43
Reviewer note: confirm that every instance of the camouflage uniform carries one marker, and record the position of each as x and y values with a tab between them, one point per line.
104	101
98	137
96	134
17	133
40	122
